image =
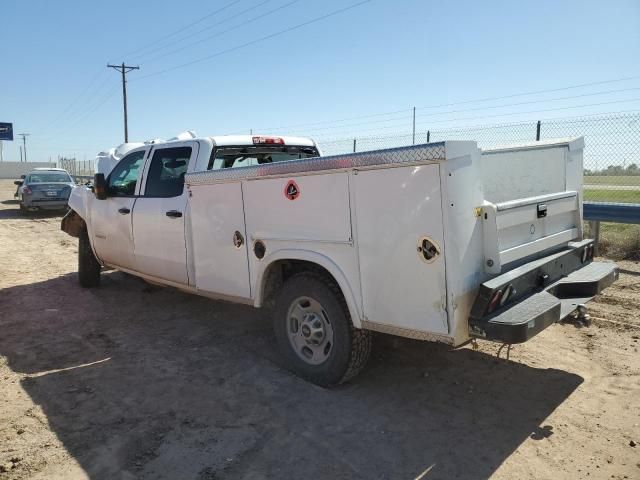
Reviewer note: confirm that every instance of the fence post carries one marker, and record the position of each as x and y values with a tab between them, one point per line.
538	131
428	136
413	142
354	145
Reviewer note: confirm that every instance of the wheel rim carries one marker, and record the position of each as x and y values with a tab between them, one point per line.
309	330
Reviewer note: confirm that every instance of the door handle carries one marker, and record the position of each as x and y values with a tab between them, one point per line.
173	214
124	211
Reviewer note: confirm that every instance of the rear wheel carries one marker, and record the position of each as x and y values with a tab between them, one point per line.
88	266
315	333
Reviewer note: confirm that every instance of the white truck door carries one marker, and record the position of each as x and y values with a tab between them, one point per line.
110	224
159	214
220	239
401	248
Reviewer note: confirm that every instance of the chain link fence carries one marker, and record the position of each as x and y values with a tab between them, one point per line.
611	156
76	167
611	160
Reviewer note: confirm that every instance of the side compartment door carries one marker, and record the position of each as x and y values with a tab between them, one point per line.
110	225
220	239
160	213
398	214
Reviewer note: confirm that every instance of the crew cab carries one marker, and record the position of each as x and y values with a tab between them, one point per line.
442	241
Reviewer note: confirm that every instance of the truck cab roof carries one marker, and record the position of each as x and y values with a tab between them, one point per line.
106	160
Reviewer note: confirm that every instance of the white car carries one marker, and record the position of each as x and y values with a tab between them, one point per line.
440	242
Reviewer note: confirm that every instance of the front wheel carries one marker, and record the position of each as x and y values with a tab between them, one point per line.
88	266
315	333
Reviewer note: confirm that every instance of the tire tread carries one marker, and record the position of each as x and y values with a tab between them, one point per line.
88	266
361	340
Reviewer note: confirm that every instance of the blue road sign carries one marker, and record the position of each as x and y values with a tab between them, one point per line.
6	131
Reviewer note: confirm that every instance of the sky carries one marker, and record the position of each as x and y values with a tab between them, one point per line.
316	68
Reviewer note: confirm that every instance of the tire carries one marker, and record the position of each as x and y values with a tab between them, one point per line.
23	210
312	299
88	266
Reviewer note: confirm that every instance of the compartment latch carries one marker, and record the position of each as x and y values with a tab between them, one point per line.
542	210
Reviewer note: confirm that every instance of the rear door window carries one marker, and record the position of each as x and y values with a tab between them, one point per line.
168	167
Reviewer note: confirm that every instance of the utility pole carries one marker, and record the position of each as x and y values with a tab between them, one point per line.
24	142
21	153
124	69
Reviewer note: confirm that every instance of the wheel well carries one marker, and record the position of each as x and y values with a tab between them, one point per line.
281	270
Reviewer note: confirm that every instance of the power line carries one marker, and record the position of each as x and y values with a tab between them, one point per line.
86	114
426	124
72	104
533	101
484	126
473	109
69	108
253	42
208	27
235	27
181	29
590	84
407	110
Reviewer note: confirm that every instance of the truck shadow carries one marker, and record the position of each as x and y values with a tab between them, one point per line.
6	213
144	382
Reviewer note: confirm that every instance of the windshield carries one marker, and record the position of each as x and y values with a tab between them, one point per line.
49	177
232	157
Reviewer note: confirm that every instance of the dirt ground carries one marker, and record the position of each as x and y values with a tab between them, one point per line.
133	381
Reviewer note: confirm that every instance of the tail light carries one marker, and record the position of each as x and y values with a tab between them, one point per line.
495	300
501	297
26	190
268	141
507	294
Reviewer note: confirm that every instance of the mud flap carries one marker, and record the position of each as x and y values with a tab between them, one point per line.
72	224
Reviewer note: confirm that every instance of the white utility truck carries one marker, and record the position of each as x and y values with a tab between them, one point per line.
441	242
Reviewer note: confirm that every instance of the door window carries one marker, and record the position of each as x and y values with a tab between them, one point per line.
124	176
166	173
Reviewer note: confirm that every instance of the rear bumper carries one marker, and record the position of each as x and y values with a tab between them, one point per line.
548	290
45	203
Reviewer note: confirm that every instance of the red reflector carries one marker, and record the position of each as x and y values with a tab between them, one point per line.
508	292
26	190
495	300
268	141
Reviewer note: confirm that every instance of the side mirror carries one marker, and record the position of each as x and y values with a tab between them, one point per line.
23	177
18	182
100	186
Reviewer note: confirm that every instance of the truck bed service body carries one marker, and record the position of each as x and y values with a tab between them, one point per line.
440	242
